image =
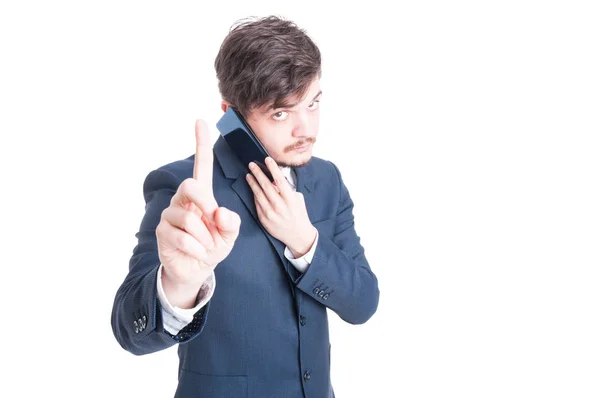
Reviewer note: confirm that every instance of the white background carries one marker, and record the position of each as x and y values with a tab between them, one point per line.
466	131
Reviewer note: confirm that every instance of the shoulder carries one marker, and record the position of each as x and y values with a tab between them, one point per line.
170	175
325	170
181	169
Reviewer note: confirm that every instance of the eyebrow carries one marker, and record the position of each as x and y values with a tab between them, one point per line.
315	97
293	105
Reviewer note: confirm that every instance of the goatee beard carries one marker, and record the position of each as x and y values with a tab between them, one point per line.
294	165
310	140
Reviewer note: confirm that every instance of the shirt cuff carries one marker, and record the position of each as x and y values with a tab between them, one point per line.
302	263
175	318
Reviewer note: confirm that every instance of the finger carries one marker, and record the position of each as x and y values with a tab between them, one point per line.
267	186
259	195
259	211
189	221
282	185
228	223
193	191
262	213
183	242
203	161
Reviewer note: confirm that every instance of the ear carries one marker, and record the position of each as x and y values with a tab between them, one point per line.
225	105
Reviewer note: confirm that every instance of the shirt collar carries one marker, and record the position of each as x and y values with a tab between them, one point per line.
289	176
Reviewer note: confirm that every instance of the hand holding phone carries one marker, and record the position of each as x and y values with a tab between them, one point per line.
242	140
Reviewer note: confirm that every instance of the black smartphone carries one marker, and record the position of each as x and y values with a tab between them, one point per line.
242	140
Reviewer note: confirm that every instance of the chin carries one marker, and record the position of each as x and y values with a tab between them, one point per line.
299	160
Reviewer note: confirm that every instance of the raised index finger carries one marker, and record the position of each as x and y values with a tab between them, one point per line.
203	162
203	170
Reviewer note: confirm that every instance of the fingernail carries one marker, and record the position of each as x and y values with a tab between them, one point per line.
251	165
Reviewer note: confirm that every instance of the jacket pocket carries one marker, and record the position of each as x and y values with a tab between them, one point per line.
192	384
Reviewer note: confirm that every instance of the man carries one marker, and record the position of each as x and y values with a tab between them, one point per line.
240	271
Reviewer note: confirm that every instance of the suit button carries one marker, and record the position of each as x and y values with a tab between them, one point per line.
302	320
316	290
306	376
321	294
326	296
136	327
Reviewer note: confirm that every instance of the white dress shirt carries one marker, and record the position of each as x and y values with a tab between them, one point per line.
175	318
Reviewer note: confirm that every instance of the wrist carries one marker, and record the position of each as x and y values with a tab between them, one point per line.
304	244
181	294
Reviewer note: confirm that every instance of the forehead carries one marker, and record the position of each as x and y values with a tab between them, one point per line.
313	90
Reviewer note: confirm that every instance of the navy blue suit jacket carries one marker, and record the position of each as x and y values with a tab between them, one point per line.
264	333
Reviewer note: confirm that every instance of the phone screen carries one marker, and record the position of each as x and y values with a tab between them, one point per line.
242	140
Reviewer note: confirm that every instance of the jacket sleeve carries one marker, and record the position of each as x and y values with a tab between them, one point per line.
339	276
137	313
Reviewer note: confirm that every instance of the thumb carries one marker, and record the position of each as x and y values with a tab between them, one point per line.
228	224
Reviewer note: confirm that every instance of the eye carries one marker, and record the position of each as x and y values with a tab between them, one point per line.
314	105
280	116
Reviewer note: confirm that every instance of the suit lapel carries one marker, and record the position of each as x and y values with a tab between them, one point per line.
241	187
235	170
305	184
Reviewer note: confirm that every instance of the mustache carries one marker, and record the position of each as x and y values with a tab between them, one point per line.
310	140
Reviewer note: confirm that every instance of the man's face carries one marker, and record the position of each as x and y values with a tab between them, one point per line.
288	134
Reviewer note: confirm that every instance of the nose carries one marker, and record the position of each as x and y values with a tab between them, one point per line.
303	127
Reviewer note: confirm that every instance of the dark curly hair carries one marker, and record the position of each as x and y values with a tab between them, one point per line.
266	61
